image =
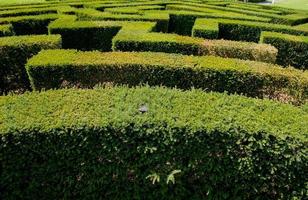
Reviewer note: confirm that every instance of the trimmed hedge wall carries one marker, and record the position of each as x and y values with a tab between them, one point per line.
6	30
201	12
14	52
162	19
97	144
292	50
67	68
181	24
130	40
239	30
85	35
28	25
288	18
27	11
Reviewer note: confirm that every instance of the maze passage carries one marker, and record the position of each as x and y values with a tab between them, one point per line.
153	100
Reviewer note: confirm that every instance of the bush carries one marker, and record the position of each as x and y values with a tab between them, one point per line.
97	144
6	30
85	35
239	30
171	43
28	25
162	19
66	68
181	24
287	18
203	12
137	37
27	11
292	50
14	52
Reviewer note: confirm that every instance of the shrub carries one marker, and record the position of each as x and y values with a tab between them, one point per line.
85	35
289	19
14	52
65	68
171	43
97	144
6	30
203	12
181	24
162	19
28	25
27	11
257	8
292	50
239	30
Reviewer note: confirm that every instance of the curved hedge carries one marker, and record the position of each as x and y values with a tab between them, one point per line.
142	143
66	68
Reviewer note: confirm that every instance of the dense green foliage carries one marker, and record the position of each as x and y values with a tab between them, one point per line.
27	25
60	68
14	52
6	30
292	50
93	144
240	30
151	142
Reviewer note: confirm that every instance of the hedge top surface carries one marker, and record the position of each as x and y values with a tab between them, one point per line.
294	38
193	110
213	24
7	20
33	39
46	58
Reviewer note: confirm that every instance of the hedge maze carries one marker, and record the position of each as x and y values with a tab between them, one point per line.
153	99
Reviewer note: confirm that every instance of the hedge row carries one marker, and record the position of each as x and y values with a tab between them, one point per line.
85	35
6	30
28	11
291	19
112	4
130	39
133	9
14	52
292	50
67	68
213	13
137	36
162	19
254	7
143	143
239	30
28	25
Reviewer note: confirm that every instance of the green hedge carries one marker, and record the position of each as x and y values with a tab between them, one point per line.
27	11
133	9
199	11
254	7
286	18
6	30
181	24
162	19
292	50
14	52
240	30
67	68
28	25
137	36
132	40
97	144
85	35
